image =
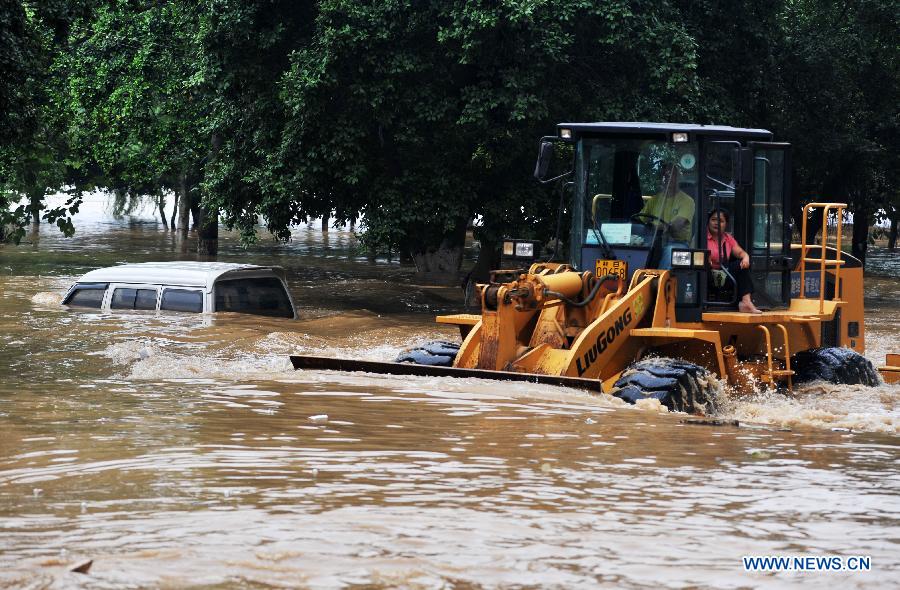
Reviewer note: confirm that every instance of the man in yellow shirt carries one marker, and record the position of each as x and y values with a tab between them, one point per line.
675	208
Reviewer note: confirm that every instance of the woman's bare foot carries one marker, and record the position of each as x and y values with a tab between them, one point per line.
746	306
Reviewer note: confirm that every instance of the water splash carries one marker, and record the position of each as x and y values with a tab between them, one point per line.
820	405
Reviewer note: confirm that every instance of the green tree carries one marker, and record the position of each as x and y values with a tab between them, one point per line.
35	159
423	116
137	102
836	101
245	50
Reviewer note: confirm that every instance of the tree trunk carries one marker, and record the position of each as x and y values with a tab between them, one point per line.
184	210
860	241
174	211
441	265
325	219
161	203
404	251
488	260
34	202
195	210
892	236
208	232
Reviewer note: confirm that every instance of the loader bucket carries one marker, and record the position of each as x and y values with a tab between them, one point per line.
386	368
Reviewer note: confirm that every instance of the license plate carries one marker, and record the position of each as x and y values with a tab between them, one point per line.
612	267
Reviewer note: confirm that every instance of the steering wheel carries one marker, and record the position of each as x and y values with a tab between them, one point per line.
640	217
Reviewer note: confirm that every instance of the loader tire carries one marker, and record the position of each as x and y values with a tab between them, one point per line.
834	365
679	385
438	353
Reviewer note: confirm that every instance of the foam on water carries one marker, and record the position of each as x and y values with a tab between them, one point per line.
48	300
148	361
260	356
821	405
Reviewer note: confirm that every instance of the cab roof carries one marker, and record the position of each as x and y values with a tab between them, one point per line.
183	273
646	128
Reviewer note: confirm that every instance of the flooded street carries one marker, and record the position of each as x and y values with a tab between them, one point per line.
184	452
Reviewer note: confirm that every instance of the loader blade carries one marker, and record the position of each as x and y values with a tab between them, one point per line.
332	364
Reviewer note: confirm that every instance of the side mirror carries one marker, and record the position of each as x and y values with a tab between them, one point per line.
742	163
545	156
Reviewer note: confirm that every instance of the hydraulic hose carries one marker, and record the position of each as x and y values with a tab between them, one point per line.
588	299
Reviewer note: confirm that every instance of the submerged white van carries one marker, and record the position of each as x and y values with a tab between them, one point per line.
199	287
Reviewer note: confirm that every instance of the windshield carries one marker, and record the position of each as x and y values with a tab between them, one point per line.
634	193
258	296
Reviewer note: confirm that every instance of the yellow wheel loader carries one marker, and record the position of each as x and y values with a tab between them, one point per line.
637	310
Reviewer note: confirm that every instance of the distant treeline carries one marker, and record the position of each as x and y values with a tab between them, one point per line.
416	117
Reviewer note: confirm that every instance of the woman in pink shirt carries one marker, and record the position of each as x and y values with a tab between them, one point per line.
723	246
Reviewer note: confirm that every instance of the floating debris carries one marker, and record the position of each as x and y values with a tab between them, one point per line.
318	418
710	422
83	568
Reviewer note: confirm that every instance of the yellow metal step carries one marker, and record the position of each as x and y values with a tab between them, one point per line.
766	317
459	319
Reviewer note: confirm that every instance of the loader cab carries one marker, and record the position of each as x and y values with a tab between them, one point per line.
642	197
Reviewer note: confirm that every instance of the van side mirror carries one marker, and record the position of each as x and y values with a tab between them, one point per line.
545	157
742	163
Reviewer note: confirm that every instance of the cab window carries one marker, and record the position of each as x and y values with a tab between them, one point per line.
88	295
258	296
124	298
182	300
635	188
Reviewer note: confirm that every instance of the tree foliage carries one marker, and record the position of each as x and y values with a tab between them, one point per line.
419	117
36	158
422	116
134	96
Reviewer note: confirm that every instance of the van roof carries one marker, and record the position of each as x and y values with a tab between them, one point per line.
181	273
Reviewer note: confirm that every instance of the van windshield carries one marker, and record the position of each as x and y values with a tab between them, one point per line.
86	295
258	296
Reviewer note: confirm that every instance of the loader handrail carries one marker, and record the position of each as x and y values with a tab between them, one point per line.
823	261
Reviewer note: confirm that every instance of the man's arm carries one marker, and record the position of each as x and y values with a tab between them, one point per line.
682	222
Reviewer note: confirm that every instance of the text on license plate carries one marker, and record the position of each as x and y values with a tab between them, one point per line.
612	267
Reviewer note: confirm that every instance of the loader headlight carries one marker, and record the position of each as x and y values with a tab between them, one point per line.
519	253
565	133
699	259
679	137
681	258
524	249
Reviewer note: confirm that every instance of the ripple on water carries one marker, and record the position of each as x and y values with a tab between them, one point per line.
178	451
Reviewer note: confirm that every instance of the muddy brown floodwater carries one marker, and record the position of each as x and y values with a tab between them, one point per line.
183	452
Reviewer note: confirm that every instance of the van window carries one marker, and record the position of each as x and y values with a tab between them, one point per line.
133	299
258	296
182	300
86	295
